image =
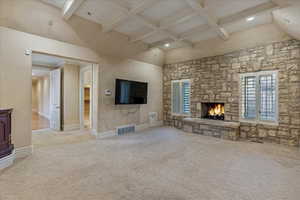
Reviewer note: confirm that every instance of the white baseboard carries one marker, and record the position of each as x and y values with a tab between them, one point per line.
142	127
72	127
24	151
156	124
106	134
94	132
7	161
44	115
139	127
41	131
17	153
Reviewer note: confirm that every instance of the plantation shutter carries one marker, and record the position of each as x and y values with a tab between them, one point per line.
186	97
248	97
176	97
267	97
259	96
181	90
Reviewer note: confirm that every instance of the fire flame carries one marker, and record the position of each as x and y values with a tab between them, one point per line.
217	110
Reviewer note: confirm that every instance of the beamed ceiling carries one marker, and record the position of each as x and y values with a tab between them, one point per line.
175	22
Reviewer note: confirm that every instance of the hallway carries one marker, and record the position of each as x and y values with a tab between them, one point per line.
39	122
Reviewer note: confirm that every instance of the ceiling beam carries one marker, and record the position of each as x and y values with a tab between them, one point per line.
197	6
265	7
195	30
180	17
156	29
134	13
70	7
127	13
269	6
281	3
168	22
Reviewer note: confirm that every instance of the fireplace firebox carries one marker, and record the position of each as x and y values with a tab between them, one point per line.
215	111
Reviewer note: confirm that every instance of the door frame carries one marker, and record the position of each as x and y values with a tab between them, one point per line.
93	96
53	90
95	89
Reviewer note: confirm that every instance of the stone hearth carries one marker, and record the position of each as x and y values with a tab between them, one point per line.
220	129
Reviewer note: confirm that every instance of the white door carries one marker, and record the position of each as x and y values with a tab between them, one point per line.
55	96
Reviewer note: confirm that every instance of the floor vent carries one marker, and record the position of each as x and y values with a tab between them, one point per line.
125	129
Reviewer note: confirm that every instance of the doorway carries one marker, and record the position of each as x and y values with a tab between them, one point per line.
86	94
41	97
87	107
69	101
40	100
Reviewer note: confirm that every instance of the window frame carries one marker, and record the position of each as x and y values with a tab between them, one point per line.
257	119
181	113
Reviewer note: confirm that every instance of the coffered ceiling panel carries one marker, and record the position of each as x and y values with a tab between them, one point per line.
156	37
99	11
192	23
57	3
208	34
164	9
222	8
133	27
178	22
240	25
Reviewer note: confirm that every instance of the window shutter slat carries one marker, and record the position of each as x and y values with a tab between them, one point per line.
248	97
186	97
181	90
267	97
176	97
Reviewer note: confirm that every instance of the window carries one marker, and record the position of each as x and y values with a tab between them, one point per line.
259	96
181	92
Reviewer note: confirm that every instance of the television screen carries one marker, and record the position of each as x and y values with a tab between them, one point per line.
131	92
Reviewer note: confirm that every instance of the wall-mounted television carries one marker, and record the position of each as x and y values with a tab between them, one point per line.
131	92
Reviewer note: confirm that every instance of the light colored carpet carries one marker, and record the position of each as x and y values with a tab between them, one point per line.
158	164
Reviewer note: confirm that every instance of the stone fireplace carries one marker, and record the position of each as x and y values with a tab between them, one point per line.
216	79
214	111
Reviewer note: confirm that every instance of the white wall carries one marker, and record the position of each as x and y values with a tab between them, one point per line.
71	95
112	115
43	96
16	75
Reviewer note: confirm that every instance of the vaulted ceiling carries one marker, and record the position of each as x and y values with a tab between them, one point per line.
172	23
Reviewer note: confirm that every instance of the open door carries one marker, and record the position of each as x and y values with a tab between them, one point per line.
55	99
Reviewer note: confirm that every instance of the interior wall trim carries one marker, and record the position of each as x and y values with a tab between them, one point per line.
23	152
7	161
71	127
140	127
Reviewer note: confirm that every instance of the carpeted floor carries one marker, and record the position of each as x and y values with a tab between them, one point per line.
158	164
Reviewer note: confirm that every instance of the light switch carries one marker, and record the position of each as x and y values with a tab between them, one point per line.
107	92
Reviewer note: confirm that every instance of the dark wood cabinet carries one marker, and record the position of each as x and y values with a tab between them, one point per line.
6	147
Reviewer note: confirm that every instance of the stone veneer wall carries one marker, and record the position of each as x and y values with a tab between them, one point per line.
216	79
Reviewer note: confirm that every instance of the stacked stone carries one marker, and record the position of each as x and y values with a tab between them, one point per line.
216	79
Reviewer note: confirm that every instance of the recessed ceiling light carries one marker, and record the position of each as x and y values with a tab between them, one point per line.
250	19
89	13
167	45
